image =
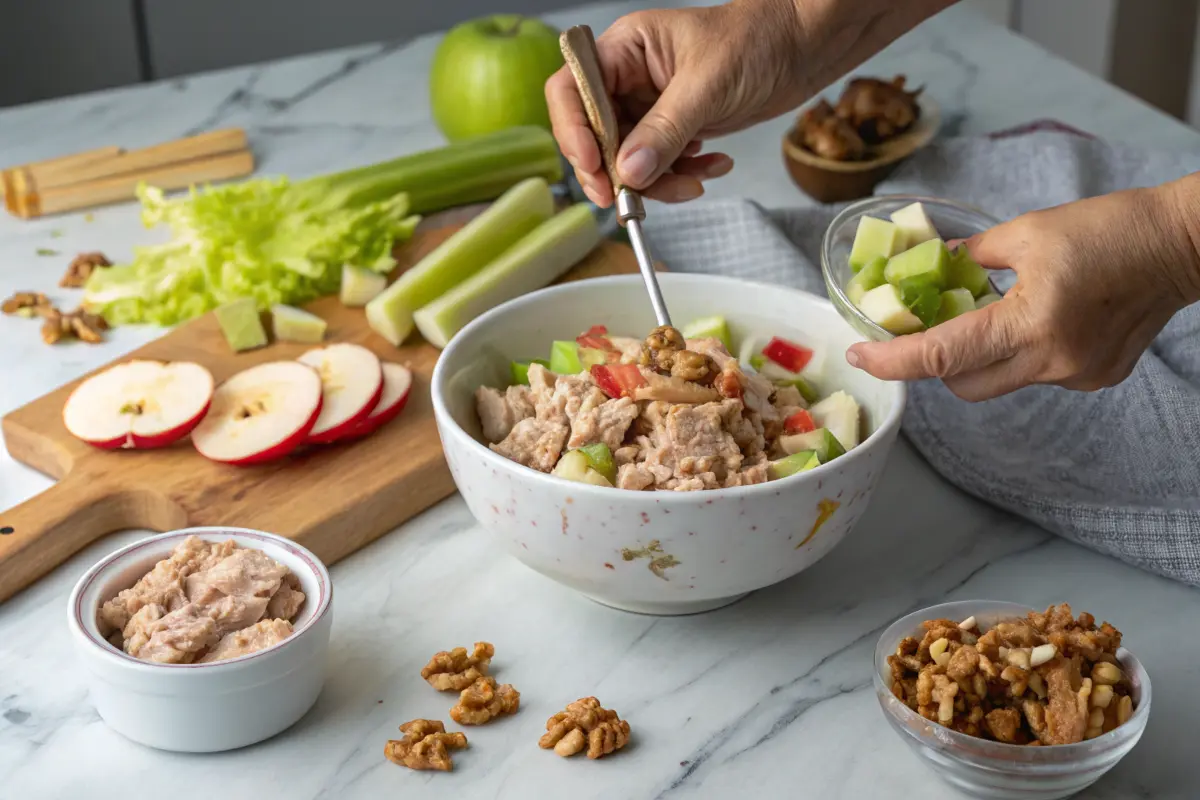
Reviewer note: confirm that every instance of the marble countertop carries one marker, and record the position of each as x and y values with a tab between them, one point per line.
757	699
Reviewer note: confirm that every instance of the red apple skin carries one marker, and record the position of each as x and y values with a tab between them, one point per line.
347	427
170	437
283	448
372	424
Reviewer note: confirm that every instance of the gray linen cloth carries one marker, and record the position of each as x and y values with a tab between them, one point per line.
1117	470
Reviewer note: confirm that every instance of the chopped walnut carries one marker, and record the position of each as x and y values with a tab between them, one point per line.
828	135
585	722
28	304
456	670
78	324
484	700
425	745
1044	680
660	349
692	366
81	268
878	110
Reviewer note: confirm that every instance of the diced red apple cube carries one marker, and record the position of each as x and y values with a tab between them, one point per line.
800	422
618	380
789	355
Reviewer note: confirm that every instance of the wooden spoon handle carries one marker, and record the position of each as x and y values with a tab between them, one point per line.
579	50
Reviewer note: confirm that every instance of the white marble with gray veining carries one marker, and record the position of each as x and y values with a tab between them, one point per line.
770	697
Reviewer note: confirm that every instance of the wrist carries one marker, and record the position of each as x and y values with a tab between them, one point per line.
1180	206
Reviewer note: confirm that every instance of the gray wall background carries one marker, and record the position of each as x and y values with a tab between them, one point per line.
52	48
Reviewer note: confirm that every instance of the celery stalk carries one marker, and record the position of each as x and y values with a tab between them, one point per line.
535	261
518	211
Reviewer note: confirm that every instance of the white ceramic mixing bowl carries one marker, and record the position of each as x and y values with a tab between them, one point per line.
659	552
203	708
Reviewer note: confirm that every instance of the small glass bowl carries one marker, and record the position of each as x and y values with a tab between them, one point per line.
952	219
994	770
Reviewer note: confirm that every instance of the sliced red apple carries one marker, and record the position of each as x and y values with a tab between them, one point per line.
139	404
260	414
351	381
397	383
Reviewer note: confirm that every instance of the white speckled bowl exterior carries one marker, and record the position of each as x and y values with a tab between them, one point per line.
659	552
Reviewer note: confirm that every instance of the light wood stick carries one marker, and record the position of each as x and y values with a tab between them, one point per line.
51	164
123	187
212	143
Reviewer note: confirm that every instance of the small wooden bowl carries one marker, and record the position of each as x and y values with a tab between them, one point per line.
829	181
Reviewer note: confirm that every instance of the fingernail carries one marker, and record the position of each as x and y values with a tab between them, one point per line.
719	167
592	194
571	161
852	358
690	191
639	165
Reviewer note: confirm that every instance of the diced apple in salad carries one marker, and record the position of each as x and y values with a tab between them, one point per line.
677	411
905	277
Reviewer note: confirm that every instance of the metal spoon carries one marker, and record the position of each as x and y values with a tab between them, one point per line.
579	49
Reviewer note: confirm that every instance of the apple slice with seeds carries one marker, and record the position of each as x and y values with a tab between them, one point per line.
261	413
351	381
397	383
139	404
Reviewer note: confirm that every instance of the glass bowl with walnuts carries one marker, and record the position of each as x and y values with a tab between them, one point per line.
1004	701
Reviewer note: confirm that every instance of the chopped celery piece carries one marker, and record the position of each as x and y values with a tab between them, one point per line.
564	358
965	273
600	458
987	300
883	306
470	249
520	370
790	465
914	224
821	441
758	361
922	298
954	303
294	325
535	261
360	286
866	279
928	260
709	328
591	356
241	324
874	238
840	414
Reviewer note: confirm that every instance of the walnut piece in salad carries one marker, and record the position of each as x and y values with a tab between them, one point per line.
672	412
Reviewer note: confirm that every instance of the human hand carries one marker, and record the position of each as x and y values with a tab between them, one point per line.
1098	279
678	77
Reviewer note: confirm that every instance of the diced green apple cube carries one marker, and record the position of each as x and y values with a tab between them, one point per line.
600	458
573	466
517	212
823	442
291	324
954	303
883	306
709	328
360	286
520	370
866	279
840	414
965	273
928	260
241	324
790	465
874	238
922	298
564	358
914	224
987	300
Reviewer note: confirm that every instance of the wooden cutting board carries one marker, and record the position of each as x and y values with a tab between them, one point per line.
333	500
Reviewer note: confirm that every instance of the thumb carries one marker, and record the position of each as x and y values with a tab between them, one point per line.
662	134
968	342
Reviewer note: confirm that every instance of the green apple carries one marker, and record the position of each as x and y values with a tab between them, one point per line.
954	303
821	441
489	74
928	260
866	279
874	238
790	465
883	306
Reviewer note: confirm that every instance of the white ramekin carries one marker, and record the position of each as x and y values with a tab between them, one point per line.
202	708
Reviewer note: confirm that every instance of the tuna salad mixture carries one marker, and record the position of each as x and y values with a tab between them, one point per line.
676	411
206	602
